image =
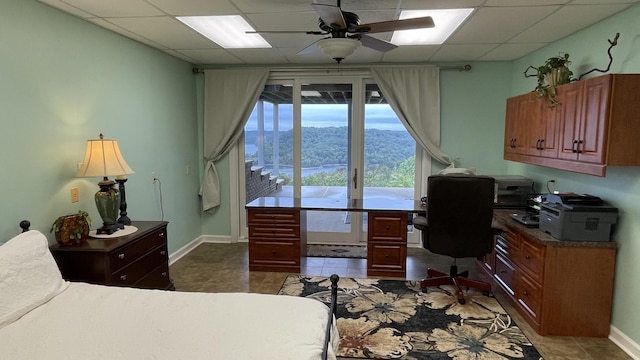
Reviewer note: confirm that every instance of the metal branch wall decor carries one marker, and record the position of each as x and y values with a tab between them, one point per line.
612	43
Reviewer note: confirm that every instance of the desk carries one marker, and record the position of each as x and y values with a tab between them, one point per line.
278	239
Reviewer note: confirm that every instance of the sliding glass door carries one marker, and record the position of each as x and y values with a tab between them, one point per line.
328	138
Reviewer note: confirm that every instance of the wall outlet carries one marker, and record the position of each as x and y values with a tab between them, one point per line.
153	177
75	197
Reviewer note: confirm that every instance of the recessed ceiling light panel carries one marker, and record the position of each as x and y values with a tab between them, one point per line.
228	31
446	22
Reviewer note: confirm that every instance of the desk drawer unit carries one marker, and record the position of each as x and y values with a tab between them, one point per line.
277	239
387	244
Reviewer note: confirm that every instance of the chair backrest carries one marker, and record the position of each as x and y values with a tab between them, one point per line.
459	215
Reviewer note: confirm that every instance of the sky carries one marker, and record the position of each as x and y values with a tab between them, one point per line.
377	116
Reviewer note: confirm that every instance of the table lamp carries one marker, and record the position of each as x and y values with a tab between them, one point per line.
103	159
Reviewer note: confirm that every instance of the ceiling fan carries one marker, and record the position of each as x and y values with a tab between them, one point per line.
347	33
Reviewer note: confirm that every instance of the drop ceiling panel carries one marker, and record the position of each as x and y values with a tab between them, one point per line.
259	56
413	53
115	8
506	52
211	56
461	52
481	27
440	4
67	8
195	7
165	30
273	6
525	2
567	20
107	25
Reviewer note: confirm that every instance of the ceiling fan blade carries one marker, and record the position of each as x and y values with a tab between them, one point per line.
395	25
309	49
308	32
331	15
375	43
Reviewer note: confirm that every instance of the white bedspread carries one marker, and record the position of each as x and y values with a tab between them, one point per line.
99	322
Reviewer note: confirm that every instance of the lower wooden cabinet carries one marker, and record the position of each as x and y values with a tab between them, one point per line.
137	260
559	287
387	244
277	239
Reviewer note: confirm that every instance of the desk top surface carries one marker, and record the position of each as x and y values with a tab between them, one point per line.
327	204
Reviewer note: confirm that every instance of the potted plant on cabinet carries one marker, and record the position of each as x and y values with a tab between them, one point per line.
72	229
553	72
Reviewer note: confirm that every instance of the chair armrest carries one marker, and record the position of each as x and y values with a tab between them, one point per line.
420	223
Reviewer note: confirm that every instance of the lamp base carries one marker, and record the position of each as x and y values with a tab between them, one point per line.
109	229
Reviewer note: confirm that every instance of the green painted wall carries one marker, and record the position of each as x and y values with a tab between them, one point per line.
621	186
63	81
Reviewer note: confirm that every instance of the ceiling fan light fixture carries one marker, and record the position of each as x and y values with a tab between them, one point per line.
338	48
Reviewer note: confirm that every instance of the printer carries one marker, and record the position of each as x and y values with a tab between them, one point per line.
511	191
577	217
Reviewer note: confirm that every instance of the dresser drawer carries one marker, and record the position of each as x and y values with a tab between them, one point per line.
529	295
158	278
505	271
274	232
273	217
128	253
274	253
387	226
140	268
531	259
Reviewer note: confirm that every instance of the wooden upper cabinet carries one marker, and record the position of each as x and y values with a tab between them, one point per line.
595	125
522	113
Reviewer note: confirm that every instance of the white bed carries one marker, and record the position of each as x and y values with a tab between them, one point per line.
44	317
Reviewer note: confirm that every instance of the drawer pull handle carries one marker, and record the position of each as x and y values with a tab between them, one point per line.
163	252
161	234
503	271
120	256
164	273
273	251
388	227
525	293
528	257
386	255
123	277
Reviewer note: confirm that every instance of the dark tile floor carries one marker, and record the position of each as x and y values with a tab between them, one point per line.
225	268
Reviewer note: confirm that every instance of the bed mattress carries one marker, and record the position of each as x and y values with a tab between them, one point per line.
100	322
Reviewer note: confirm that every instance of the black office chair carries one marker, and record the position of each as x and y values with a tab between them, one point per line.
457	224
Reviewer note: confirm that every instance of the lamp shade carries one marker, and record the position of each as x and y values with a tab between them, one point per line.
103	158
338	48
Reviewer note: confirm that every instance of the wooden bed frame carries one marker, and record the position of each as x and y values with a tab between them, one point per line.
25	224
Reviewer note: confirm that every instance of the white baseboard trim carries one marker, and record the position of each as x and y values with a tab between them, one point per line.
625	343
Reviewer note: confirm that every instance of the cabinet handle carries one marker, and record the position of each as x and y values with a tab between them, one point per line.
573	146
163	253
161	234
503	271
388	227
525	293
164	273
528	257
273	251
123	277
541	145
120	256
578	147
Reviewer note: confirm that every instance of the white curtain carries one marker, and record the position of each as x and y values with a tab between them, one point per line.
414	94
229	97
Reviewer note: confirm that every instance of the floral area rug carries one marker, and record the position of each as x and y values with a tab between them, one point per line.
391	319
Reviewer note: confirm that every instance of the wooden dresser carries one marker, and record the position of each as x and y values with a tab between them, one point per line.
137	260
277	239
559	287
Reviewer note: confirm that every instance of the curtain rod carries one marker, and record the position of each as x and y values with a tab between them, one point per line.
465	67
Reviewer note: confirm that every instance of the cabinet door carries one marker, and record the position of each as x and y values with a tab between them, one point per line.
594	120
521	110
570	108
546	132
